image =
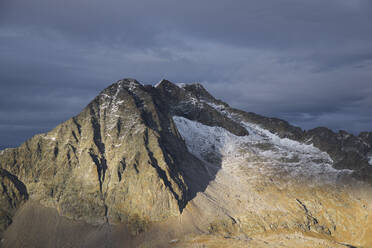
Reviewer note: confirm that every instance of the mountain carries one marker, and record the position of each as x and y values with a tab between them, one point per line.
172	166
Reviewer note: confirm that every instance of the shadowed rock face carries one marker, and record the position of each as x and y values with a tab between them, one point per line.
12	194
193	102
123	160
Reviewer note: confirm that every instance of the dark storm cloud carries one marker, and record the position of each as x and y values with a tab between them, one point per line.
307	61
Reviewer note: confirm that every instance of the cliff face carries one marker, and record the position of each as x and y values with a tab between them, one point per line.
12	194
174	155
120	159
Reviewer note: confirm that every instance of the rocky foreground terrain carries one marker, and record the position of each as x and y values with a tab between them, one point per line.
171	166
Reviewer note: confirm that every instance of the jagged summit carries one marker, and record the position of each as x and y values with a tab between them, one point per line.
139	155
127	148
196	89
163	83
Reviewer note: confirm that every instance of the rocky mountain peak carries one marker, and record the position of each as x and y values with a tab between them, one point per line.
122	153
120	89
163	83
186	91
139	155
194	102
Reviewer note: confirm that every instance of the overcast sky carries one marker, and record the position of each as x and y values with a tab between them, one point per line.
309	62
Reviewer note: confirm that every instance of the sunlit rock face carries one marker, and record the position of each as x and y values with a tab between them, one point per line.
170	165
120	158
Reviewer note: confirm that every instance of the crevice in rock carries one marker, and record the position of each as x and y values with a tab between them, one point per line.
69	158
97	138
313	222
55	151
118	126
135	165
121	168
38	150
99	159
75	137
303	206
17	183
78	126
73	148
162	174
101	165
348	246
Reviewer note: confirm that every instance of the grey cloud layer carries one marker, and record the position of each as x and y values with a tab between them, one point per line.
309	62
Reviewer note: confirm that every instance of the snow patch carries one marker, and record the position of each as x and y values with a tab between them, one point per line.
132	85
157	85
179	85
110	106
50	138
201	139
218	107
260	149
370	159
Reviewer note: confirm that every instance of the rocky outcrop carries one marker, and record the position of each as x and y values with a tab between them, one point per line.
347	150
366	137
193	102
12	194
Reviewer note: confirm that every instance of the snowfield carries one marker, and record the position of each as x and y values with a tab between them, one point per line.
261	149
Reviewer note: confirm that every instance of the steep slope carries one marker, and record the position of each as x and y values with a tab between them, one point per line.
121	159
12	194
171	165
195	103
272	186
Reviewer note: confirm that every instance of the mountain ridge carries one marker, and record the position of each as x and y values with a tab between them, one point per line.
358	147
128	158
